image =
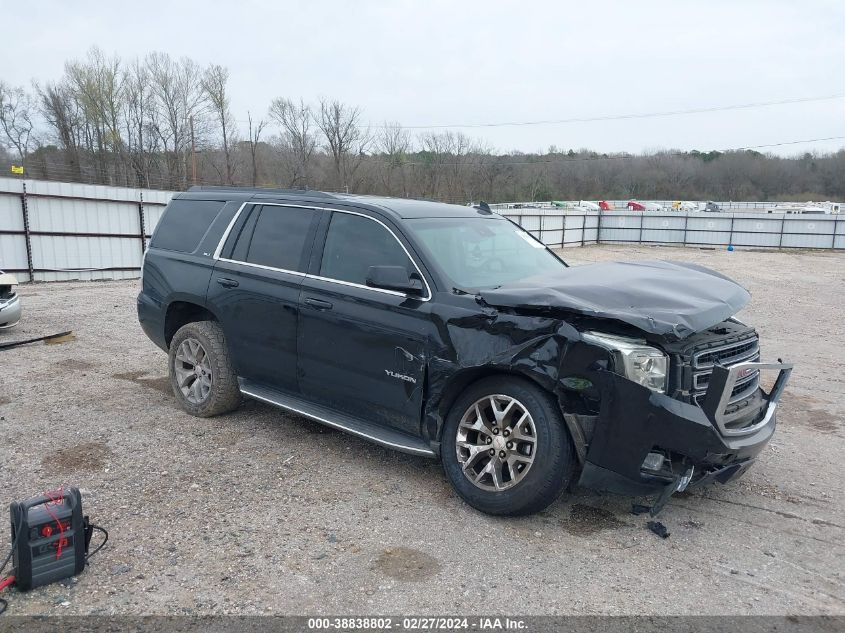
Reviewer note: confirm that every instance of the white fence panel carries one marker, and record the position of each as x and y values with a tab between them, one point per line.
79	231
743	229
810	232
76	231
576	230
70	215
553	238
83	254
13	255
152	215
712	229
530	223
591	228
11	218
12	240
621	226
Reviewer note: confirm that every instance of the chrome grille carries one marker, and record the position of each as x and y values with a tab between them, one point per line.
726	355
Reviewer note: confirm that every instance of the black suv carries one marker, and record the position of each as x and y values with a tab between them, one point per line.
450	332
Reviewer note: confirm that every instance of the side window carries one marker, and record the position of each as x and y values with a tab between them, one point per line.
279	237
184	223
354	243
237	244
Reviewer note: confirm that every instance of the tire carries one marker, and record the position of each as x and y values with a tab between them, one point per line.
531	487
215	389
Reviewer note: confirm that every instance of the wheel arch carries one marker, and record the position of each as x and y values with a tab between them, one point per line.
464	379
180	313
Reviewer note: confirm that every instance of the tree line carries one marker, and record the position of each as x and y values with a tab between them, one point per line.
160	122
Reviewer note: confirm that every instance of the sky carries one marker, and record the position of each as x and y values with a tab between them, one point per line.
432	62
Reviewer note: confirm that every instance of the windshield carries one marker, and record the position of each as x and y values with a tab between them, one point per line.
483	252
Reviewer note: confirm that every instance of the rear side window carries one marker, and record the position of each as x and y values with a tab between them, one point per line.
354	243
280	237
184	223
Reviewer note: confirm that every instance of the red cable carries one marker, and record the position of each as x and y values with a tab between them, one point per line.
8	580
56	497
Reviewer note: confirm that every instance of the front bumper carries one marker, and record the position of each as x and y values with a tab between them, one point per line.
701	444
10	311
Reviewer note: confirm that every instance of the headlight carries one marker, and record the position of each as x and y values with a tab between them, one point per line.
635	360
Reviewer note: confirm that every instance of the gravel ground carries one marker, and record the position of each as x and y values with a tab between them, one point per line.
265	512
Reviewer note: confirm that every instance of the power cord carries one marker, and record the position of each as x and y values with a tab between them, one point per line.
101	545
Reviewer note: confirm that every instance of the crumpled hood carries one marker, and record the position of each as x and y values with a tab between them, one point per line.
658	297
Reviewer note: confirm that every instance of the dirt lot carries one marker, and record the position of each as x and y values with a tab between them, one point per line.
265	512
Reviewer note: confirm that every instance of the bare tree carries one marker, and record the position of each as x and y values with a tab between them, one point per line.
393	143
97	85
111	120
345	138
17	109
61	111
139	121
179	98
461	147
214	84
298	138
493	173
436	149
255	130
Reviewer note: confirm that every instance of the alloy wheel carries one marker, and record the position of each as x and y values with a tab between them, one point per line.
193	371
496	442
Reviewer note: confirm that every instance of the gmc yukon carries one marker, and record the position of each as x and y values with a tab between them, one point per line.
452	333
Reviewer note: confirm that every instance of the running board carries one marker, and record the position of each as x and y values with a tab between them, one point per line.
362	428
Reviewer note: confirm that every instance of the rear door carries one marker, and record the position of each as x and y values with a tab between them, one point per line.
363	350
255	287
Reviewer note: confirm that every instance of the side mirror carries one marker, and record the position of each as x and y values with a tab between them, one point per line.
394	278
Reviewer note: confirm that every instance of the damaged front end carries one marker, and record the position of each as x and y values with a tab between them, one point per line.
659	386
645	442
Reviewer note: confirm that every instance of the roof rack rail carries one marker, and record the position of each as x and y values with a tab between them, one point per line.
309	192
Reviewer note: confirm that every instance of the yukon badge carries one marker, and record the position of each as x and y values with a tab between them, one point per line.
394	374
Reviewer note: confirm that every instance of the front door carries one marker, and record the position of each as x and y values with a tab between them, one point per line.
363	350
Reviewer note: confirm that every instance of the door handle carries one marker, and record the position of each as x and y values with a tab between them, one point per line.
226	282
319	304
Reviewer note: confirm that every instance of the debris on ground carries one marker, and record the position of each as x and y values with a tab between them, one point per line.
50	339
658	528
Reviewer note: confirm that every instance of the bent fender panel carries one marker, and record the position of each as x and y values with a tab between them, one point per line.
490	342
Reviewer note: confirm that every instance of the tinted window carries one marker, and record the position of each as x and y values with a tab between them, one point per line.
355	243
280	236
184	223
237	244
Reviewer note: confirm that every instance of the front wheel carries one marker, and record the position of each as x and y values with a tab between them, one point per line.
201	373
505	448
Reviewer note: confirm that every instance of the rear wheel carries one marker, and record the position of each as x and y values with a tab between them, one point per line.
201	374
505	448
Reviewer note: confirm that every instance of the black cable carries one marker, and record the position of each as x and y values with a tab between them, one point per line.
101	545
9	557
